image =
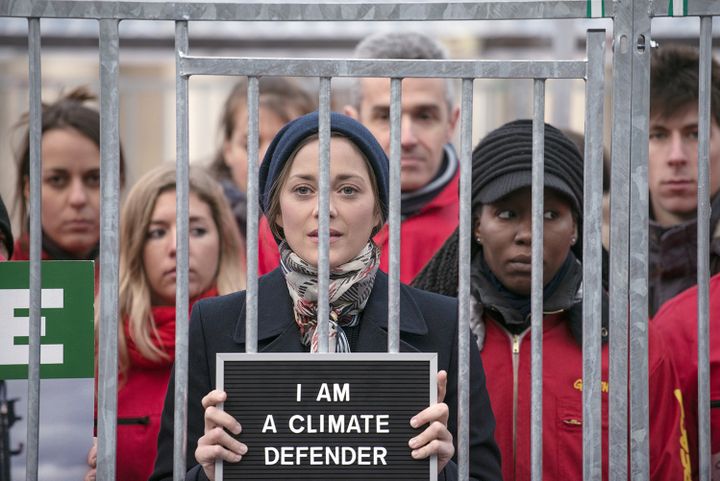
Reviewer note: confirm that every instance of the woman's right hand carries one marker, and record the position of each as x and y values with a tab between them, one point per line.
216	443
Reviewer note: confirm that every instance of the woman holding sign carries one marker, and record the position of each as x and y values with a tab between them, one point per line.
287	304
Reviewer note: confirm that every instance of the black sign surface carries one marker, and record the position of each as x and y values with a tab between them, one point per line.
327	416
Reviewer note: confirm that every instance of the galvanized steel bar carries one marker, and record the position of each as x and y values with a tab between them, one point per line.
619	252
394	220
692	9
398	68
259	10
182	259
703	248
537	284
466	235
253	214
638	265
323	308
35	218
109	243
592	256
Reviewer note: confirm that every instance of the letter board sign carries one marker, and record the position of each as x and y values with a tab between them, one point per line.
327	416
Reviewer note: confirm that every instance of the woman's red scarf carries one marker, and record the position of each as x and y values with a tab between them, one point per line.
165	340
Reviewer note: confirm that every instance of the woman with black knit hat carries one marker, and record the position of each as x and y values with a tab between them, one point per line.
288	297
500	287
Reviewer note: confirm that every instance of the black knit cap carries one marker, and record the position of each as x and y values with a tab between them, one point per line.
287	140
5	228
502	163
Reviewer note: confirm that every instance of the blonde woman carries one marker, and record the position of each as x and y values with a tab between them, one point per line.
146	334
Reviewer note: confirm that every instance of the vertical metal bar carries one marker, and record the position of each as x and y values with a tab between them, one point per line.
35	133
182	195
465	226
536	299
109	226
394	220
251	306
323	309
703	247
592	256
619	231
639	213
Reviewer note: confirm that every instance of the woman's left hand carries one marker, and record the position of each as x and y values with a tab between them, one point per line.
435	439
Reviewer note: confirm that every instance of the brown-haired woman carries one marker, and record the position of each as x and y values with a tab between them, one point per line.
70	180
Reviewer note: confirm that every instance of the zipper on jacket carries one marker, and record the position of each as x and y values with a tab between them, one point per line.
515	340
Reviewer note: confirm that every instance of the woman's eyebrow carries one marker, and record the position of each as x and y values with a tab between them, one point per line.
342	177
308	177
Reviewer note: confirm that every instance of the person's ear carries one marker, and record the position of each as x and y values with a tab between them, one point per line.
453	118
574	238
477	232
351	112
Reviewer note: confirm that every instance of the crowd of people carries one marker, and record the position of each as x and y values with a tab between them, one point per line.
501	244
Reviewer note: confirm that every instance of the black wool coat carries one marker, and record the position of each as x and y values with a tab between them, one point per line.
428	323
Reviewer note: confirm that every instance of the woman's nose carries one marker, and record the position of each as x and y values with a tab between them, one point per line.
523	234
172	243
332	210
78	196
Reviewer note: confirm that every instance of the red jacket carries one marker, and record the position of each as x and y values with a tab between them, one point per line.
141	396
421	235
506	359
677	321
140	405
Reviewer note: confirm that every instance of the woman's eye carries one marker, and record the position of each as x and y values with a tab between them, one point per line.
550	215
348	190
92	180
56	180
198	231
505	214
302	190
156	233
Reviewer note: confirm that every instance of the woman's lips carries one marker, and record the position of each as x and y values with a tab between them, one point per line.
79	225
520	264
334	235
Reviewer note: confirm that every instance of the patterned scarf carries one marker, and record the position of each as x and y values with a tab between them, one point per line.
350	287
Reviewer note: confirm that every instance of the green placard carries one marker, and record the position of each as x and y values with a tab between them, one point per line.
67	326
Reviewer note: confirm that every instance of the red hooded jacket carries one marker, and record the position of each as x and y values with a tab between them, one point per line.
677	321
507	360
421	235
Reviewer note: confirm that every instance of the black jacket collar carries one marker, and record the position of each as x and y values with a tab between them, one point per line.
276	320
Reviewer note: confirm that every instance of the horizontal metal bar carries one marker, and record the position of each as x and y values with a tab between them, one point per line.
258	10
312	67
694	9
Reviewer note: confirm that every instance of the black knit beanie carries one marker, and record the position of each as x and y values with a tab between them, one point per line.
286	142
5	228
502	163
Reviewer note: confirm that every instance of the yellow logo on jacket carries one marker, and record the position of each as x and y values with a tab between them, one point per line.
579	385
684	449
